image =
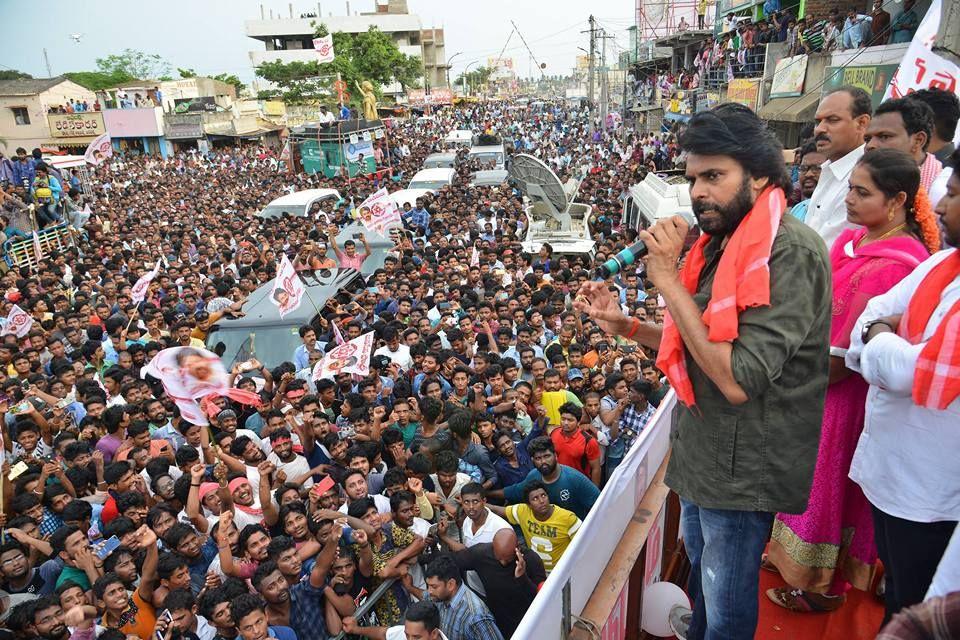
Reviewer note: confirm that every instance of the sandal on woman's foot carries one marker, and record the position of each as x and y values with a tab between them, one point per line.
804	602
766	565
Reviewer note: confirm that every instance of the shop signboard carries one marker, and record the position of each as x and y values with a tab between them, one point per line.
88	124
872	78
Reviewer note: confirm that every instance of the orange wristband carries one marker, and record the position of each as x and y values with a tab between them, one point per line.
633	329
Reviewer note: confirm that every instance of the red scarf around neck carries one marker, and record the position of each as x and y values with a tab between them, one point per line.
936	380
742	281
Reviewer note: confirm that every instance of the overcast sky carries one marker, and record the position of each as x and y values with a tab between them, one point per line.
208	35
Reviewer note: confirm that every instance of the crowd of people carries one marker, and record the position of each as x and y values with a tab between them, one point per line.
449	482
432	497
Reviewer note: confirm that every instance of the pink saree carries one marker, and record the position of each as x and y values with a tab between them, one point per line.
831	544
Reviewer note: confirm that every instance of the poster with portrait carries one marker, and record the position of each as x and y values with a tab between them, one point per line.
99	150
189	374
352	356
379	212
288	288
324	48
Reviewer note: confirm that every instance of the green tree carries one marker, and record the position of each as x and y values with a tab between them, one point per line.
370	55
186	73
137	64
13	74
476	78
229	78
97	80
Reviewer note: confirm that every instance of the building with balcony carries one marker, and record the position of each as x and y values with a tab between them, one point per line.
289	38
24	120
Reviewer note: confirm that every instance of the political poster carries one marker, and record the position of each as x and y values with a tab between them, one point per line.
189	374
379	212
139	290
99	150
324	48
18	323
288	288
356	148
351	357
921	68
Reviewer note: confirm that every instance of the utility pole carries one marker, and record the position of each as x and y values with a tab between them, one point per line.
46	61
593	44
604	88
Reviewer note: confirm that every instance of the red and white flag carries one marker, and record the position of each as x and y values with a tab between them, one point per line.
18	323
139	290
379	212
351	357
288	289
337	336
324	48
475	257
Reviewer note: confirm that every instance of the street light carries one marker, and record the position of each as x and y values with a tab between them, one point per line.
448	68
464	75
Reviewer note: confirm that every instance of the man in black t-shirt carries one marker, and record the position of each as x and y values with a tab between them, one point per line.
19	574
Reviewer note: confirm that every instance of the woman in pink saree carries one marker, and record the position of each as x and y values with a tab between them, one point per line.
830	546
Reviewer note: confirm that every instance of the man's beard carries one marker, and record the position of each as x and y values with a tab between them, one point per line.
731	213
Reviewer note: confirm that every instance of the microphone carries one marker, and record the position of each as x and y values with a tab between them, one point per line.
622	260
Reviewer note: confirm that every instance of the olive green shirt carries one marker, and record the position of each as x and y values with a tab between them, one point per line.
760	455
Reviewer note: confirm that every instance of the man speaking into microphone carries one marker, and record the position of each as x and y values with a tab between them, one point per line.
745	345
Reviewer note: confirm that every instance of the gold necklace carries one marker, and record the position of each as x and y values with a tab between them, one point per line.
885	235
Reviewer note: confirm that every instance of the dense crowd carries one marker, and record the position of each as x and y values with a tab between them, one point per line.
456	473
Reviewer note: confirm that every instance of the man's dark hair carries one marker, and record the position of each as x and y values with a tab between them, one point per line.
247	532
103	583
916	115
179	599
446	462
946	110
264	570
424	612
540	444
734	130
860	103
114	472
443	568
278	545
471	489
359	508
168	563
530	487
400	497
244	605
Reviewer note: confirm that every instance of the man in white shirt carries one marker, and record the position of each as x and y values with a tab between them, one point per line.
480	526
905	460
842	119
355	486
421	620
398	353
282	455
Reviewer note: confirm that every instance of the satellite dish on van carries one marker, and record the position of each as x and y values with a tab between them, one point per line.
538	183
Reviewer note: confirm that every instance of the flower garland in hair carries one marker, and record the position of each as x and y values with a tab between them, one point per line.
923	213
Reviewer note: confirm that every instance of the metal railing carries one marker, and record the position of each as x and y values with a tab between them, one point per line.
368	605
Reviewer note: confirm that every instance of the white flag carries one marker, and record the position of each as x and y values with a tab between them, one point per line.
921	68
475	257
350	357
18	323
139	290
324	48
99	150
37	249
379	212
288	289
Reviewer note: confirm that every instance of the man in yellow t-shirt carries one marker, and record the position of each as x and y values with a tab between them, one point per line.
547	529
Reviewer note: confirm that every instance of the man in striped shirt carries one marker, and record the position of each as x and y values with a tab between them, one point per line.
463	615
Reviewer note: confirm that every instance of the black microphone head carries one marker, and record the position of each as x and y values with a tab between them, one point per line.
602	272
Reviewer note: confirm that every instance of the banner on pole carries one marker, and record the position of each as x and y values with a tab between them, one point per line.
351	357
139	290
288	289
324	48
99	150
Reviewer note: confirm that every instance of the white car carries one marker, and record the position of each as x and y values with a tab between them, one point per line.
298	204
459	138
432	179
490	156
408	196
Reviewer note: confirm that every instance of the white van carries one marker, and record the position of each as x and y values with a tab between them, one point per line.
298	204
458	138
489	156
432	179
408	196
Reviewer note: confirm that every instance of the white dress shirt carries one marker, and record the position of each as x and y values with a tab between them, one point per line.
906	458
827	213
482	535
401	356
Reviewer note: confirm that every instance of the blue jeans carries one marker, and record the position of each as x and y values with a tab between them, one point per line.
724	548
